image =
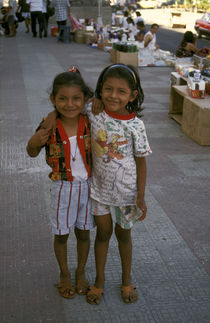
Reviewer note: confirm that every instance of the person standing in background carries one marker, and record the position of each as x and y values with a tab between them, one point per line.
36	14
138	18
25	11
62	12
45	17
11	18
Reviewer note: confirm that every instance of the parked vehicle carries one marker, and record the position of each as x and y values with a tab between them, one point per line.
148	4
171	3
159	3
202	26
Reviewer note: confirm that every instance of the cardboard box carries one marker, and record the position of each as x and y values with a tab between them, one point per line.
90	37
196	120
103	44
79	36
113	56
124	58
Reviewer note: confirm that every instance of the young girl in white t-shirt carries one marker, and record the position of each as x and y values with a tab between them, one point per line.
119	148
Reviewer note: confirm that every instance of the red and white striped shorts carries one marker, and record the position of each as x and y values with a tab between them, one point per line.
71	206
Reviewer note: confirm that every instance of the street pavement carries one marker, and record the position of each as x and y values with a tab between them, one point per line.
171	249
163	17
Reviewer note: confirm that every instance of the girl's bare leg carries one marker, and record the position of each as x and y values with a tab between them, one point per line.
125	250
83	246
27	24
129	293
103	235
60	248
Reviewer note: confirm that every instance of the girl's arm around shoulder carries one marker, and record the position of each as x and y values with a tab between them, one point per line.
94	106
97	106
141	170
37	141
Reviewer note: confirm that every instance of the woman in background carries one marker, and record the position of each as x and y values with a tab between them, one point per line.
188	45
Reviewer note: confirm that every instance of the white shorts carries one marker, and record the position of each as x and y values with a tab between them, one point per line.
125	216
26	15
71	206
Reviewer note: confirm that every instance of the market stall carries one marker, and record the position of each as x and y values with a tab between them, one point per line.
190	98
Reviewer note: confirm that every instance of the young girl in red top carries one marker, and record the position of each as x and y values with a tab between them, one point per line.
68	154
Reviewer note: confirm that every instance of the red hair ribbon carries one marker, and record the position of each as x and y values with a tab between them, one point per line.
73	69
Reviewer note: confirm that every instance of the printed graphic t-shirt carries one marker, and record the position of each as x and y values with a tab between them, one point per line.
115	140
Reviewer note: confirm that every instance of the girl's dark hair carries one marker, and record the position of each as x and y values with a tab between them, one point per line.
71	78
128	73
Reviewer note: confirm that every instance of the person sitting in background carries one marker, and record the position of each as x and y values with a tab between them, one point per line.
124	23
141	28
131	27
140	39
188	45
4	20
150	38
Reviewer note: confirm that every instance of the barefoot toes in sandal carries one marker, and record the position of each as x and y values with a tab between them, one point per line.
94	295
66	289
82	286
129	294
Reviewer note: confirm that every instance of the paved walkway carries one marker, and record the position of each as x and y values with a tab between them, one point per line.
171	262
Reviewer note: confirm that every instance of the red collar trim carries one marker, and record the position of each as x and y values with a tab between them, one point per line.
120	116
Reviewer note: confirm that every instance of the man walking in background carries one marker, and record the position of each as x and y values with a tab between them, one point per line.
62	12
36	15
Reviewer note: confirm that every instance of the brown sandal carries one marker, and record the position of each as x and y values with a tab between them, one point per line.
129	294
94	295
66	289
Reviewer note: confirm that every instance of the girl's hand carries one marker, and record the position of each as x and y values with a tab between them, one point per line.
142	206
97	106
50	122
36	142
40	138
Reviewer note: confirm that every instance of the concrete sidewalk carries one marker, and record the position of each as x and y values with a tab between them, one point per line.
171	263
